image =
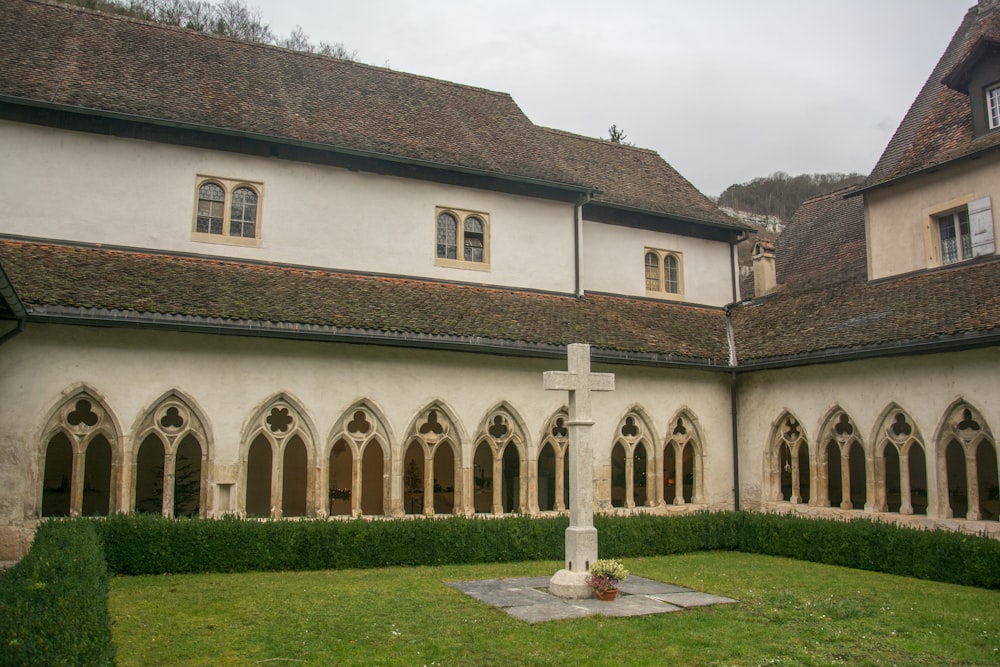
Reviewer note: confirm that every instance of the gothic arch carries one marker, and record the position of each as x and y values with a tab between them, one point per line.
551	487
685	449
502	433
788	460
357	484
966	460
842	472
900	463
176	422
635	478
80	456
426	466
282	428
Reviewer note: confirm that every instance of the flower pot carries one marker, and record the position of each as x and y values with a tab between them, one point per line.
607	595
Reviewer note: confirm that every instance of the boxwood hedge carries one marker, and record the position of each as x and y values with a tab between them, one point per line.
54	602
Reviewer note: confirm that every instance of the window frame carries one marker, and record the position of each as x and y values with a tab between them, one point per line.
462	243
955	221
229	187
992	97
662	290
976	216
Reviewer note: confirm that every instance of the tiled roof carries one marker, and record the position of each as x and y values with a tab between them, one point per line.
633	177
922	308
823	244
70	57
938	126
51	275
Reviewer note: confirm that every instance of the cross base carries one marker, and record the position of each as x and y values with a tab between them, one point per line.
570	585
581	552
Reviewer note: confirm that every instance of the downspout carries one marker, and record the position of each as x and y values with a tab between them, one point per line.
733	362
578	244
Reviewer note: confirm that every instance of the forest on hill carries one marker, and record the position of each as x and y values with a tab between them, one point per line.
780	194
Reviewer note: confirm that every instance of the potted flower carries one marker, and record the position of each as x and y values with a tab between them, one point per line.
604	577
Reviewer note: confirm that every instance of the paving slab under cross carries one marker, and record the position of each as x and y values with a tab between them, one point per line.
528	599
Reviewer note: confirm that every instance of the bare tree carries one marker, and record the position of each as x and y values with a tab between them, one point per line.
235	19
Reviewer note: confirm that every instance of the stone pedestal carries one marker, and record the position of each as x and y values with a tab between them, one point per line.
572	585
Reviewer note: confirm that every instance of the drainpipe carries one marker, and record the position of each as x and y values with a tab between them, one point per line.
733	362
578	243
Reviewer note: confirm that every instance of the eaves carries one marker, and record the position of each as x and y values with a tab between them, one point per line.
102	317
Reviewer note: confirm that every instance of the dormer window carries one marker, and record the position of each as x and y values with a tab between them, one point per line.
993	107
978	76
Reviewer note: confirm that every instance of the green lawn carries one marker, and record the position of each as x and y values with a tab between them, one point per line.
790	613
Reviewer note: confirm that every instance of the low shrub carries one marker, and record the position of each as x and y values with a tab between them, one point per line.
150	544
54	602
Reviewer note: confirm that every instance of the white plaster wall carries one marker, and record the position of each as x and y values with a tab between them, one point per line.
230	377
924	386
614	261
899	218
99	189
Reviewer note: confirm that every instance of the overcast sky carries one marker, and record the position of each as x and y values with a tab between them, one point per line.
724	90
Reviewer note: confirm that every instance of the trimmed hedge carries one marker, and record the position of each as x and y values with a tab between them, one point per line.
54	602
150	544
147	544
54	608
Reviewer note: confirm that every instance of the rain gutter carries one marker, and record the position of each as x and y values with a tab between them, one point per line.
297	331
941	344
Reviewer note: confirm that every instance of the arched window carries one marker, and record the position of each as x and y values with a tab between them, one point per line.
447	236
671	273
653	281
228	211
473	239
663	271
462	239
211	209
243	213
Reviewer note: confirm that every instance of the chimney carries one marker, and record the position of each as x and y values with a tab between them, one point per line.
764	279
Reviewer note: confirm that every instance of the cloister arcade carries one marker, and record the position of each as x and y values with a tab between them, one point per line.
286	469
894	470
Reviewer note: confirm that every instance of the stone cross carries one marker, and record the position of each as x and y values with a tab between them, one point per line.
581	536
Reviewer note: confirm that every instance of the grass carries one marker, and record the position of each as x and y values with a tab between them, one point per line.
790	613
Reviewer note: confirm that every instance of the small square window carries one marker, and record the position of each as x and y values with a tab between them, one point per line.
227	211
462	239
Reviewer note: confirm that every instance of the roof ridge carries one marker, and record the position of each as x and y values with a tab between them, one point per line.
840	192
249	43
598	140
